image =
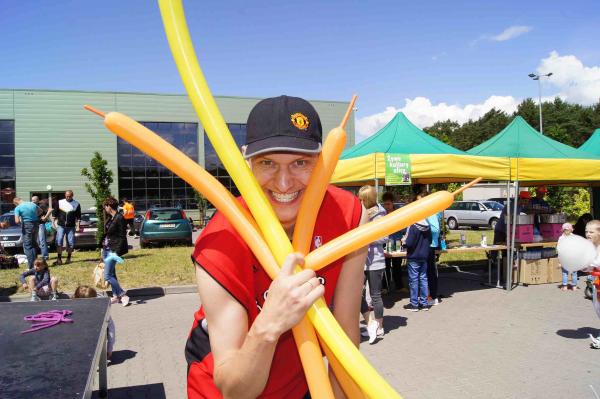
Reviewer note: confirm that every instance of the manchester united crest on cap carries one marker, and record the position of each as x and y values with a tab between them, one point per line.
300	121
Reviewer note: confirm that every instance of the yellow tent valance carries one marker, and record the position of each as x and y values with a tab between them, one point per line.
425	168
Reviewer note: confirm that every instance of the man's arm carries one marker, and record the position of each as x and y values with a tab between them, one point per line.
347	296
236	350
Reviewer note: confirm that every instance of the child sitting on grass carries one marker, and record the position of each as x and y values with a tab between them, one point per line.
39	282
85	291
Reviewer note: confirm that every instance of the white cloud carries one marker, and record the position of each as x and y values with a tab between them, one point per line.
423	113
571	79
507	34
575	82
511	32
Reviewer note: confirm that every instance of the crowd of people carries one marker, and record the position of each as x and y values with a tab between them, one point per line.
36	218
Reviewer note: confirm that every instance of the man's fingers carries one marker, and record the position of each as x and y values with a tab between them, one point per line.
315	293
290	262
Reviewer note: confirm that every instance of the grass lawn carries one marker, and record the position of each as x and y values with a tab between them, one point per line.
473	237
155	267
160	267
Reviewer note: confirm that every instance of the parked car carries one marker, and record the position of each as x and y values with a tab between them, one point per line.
85	237
165	225
472	213
501	200
11	237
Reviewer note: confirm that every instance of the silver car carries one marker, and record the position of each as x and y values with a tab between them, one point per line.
473	213
11	237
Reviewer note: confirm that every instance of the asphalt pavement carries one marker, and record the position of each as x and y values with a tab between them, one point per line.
478	343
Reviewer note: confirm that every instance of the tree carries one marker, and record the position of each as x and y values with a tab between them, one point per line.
100	178
202	205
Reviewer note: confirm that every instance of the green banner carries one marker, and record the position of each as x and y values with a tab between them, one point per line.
397	170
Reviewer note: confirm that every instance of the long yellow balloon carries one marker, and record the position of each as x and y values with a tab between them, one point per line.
183	52
226	148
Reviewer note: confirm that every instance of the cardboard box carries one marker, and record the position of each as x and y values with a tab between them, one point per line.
524	233
554	271
532	272
551	231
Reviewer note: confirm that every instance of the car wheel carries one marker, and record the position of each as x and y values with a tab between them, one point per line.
143	244
493	222
452	224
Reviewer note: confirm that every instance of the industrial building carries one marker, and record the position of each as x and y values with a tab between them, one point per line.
46	138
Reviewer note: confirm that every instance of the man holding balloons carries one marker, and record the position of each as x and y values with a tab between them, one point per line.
240	344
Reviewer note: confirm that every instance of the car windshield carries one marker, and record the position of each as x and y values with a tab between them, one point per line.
10	219
89	217
494	206
165	215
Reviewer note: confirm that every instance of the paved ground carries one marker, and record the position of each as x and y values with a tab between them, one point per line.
479	343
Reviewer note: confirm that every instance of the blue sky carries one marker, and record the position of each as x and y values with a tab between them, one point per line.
430	59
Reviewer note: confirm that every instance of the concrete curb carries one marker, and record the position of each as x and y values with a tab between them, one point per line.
133	292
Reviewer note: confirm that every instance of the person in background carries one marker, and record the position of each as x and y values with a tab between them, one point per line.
129	215
567	229
592	233
393	265
39	282
538	200
66	217
583	220
374	266
114	244
418	243
500	229
85	291
44	214
26	214
434	222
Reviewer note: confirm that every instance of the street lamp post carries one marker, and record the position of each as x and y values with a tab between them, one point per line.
538	78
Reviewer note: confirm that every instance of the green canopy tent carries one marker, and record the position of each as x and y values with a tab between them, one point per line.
432	161
592	145
400	136
536	159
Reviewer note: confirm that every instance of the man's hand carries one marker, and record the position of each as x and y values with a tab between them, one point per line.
290	295
24	286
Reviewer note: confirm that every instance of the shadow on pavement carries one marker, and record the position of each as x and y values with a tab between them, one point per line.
154	391
6	292
580	333
119	357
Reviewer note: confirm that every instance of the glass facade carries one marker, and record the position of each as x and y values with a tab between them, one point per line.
146	182
213	164
7	165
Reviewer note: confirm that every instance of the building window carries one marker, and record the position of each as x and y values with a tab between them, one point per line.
213	164
146	182
7	165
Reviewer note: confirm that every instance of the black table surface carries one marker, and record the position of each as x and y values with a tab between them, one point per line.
55	362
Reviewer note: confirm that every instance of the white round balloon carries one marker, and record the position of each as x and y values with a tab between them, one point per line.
575	252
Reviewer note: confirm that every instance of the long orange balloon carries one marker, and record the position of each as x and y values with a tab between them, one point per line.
307	216
165	153
316	188
367	233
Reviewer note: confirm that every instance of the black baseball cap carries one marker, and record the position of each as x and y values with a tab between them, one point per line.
283	124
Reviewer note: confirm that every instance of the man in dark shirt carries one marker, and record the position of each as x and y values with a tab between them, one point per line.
44	215
66	219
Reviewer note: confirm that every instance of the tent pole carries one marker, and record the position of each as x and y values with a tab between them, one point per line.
514	231
507	225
